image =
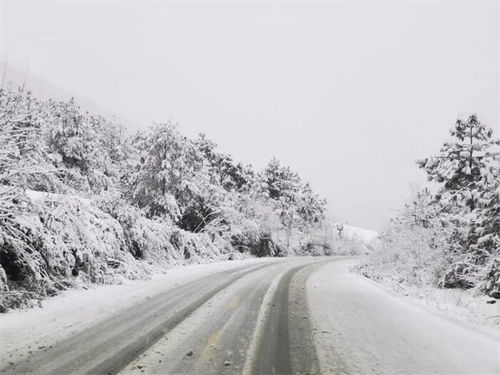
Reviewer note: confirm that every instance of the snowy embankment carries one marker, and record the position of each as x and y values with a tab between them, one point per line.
62	241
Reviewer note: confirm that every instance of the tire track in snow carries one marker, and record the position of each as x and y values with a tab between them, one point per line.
110	345
283	342
217	335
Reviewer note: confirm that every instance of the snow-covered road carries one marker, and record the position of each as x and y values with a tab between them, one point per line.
362	328
293	315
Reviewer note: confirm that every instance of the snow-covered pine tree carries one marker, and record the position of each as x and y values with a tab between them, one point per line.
485	231
461	164
465	168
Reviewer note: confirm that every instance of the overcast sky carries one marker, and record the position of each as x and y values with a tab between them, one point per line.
347	94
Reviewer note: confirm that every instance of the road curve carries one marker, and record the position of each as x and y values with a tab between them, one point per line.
289	316
118	343
249	327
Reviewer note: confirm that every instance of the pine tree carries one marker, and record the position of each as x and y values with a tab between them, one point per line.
467	169
485	231
461	164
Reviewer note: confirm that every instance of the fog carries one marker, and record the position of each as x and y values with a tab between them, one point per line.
347	94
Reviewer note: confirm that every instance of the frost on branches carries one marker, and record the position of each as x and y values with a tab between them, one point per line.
80	202
451	239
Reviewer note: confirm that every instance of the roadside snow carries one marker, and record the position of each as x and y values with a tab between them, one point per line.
361	327
464	305
40	196
457	303
74	310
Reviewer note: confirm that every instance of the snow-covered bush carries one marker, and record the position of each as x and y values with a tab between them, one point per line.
53	241
158	240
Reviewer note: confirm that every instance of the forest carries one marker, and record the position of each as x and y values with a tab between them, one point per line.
82	201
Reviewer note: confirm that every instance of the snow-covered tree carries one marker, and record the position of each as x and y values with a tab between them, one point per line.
24	157
467	169
223	169
172	179
462	163
311	207
90	148
484	234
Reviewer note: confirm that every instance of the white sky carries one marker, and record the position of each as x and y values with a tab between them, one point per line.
347	94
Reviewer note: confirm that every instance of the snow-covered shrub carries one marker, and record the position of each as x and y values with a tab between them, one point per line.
411	249
250	224
196	247
53	241
158	240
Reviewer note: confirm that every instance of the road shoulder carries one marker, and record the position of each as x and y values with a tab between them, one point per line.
361	328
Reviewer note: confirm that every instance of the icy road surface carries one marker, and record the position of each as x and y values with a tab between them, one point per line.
294	315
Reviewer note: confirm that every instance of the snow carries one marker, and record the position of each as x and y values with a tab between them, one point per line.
465	305
74	310
360	327
40	196
356	233
208	334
